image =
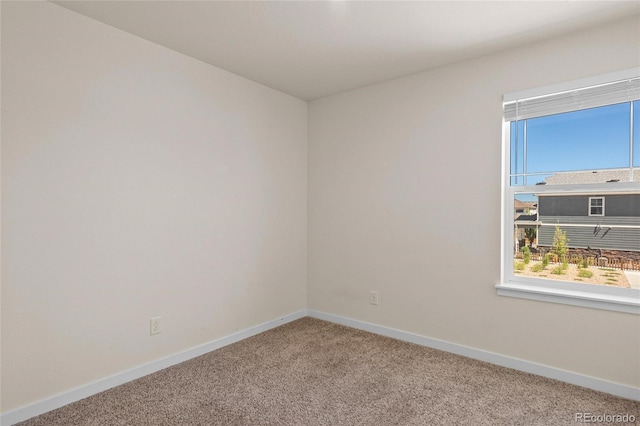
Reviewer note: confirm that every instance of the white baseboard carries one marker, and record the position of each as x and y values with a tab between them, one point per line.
62	399
612	388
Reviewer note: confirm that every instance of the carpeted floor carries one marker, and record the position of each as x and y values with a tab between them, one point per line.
312	372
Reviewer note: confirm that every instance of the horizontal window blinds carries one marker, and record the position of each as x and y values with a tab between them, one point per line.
573	100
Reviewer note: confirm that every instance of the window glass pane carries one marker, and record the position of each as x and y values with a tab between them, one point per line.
591	139
578	248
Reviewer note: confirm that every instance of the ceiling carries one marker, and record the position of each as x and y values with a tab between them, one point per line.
312	49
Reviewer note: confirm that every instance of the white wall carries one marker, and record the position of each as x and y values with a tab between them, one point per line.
404	198
136	182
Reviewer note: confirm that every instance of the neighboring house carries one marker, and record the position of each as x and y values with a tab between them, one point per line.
596	221
524	216
521	223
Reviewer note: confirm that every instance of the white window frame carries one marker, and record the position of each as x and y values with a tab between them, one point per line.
591	296
591	206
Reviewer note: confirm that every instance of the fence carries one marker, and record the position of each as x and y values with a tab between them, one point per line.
614	263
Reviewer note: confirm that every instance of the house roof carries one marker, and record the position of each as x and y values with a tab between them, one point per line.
526	220
517	204
593	176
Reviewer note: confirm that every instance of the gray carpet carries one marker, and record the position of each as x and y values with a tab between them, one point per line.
311	372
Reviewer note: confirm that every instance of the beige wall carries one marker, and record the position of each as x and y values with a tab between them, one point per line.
136	182
404	199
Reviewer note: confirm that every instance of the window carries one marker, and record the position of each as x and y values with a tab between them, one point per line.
568	147
596	206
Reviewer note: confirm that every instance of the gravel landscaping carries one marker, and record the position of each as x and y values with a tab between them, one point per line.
600	275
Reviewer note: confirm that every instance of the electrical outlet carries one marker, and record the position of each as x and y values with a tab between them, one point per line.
373	297
154	326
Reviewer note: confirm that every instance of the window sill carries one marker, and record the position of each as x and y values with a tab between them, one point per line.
624	300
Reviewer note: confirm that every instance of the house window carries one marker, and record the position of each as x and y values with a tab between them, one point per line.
567	146
596	206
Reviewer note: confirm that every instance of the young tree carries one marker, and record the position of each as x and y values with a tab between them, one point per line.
560	246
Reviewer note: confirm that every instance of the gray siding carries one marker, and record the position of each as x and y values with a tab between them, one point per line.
578	205
591	236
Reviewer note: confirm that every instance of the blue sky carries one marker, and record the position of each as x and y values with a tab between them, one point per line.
596	138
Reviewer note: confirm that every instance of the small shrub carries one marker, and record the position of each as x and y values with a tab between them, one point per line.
545	260
585	273
584	263
526	254
558	270
518	266
537	267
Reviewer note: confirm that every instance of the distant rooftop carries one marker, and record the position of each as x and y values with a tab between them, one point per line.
526	218
597	176
524	204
